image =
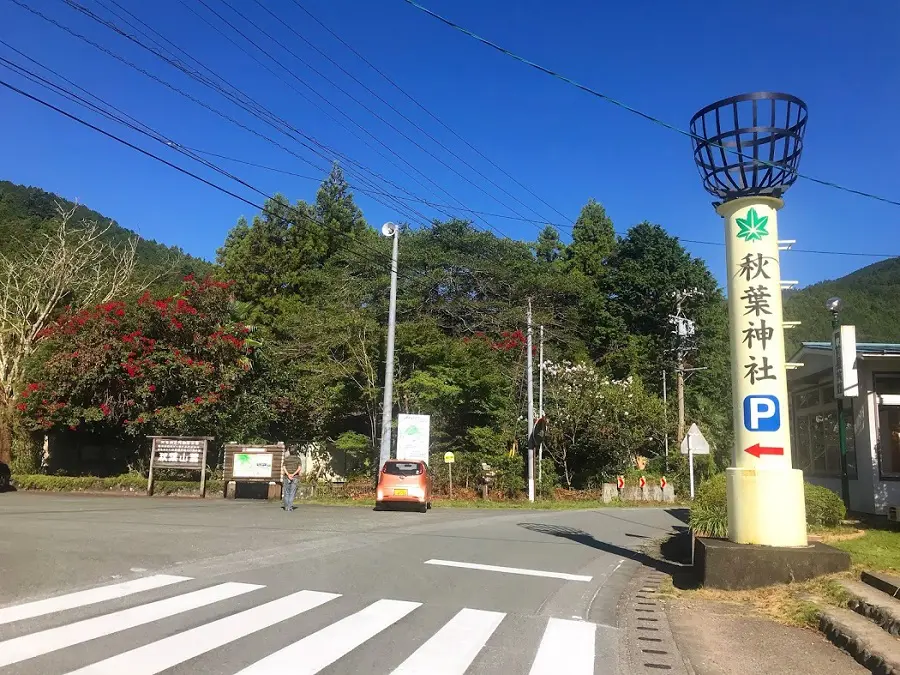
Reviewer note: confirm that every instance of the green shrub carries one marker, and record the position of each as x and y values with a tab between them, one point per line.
709	512
824	508
125	483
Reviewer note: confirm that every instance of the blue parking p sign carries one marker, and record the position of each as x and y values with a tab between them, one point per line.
761	413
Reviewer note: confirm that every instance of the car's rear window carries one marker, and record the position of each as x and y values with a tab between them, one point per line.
403	468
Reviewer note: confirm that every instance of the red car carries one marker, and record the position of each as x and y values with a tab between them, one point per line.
404	482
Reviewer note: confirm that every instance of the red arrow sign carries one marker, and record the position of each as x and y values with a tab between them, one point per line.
642	482
756	450
663	482
620	482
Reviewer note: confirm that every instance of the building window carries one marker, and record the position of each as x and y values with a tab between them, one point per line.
816	446
888	427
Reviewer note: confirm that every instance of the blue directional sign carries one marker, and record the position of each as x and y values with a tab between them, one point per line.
762	413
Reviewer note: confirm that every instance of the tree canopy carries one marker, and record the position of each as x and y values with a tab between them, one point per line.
311	279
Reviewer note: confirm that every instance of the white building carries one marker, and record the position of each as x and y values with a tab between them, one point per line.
872	418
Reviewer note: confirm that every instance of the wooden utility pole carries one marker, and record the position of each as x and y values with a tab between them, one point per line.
530	411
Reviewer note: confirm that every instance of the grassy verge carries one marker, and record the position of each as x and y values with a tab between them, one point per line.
875	550
128	483
869	549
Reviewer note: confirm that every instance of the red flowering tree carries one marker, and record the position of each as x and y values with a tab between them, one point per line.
152	366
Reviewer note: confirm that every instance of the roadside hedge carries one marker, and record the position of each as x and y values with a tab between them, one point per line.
709	511
124	483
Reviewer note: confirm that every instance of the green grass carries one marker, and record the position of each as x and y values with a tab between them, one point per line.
127	483
876	550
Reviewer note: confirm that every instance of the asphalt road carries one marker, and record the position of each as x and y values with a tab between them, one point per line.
220	587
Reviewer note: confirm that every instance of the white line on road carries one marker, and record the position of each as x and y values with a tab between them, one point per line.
510	570
566	642
82	598
452	649
324	647
168	652
46	641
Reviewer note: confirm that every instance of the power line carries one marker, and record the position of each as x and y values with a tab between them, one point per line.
245	100
356	100
174	146
268	117
396	86
400	207
635	111
309	87
403	115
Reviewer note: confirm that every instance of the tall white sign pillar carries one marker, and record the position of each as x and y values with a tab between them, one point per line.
747	149
765	494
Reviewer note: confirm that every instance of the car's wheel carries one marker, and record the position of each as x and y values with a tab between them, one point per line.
429	505
423	507
379	506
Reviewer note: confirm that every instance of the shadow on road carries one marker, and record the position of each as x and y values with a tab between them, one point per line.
674	559
683	515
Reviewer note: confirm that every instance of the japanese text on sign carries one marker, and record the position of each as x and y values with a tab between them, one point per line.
179	451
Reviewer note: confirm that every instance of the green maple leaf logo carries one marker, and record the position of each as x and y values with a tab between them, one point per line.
752	228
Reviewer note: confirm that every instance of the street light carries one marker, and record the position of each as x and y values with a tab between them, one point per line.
834	305
387	413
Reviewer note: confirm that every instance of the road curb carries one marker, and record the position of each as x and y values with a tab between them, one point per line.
648	645
864	641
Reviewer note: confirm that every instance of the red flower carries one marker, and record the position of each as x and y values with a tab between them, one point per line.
22	407
189	277
105	409
152	387
199	399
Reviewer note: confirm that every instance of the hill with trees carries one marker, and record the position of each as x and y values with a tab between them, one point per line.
870	301
28	212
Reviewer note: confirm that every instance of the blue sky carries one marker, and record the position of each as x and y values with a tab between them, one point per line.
663	58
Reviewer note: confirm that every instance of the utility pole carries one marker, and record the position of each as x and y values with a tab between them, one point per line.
684	329
541	404
530	412
387	412
665	420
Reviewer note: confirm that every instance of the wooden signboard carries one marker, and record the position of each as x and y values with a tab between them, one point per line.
179	452
253	464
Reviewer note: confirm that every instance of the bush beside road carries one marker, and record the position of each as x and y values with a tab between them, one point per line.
127	483
357	492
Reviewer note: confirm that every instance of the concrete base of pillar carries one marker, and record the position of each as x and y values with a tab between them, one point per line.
766	507
728	566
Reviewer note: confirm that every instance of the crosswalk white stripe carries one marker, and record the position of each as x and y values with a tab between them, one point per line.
319	650
453	648
569	643
46	641
157	656
92	596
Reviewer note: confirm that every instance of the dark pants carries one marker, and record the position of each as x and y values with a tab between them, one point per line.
289	491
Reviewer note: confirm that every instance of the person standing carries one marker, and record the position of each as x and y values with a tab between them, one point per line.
290	468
